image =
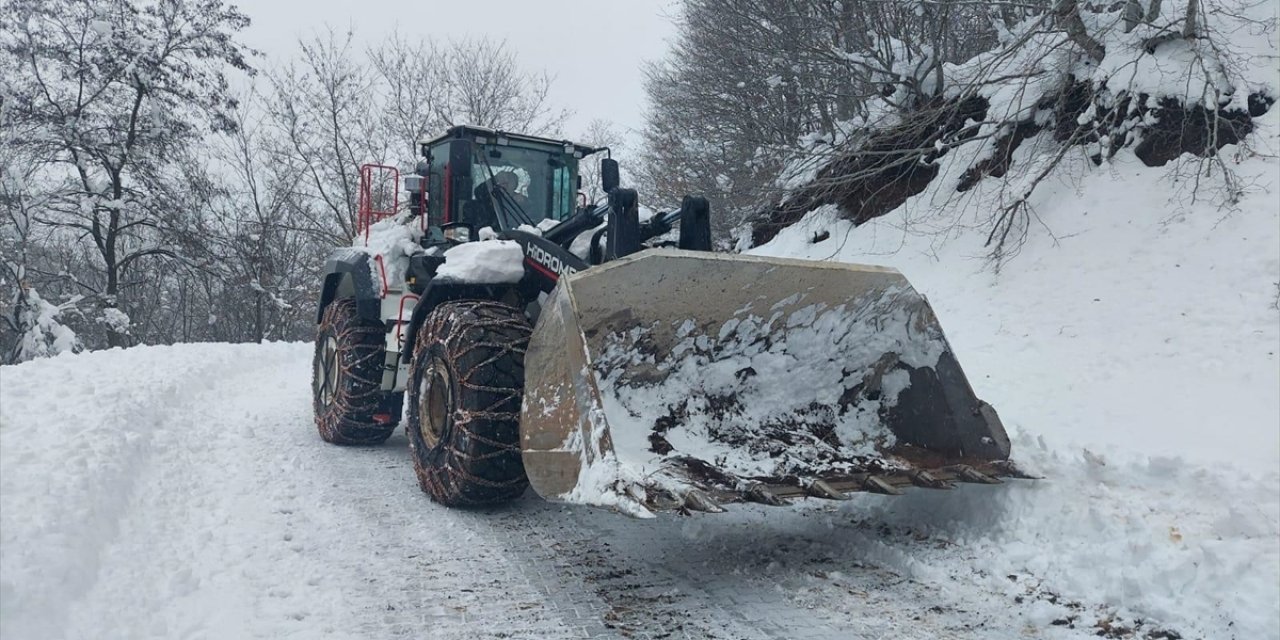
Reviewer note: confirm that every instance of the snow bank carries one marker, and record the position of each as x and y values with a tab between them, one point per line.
1161	311
1152	538
70	468
1151	91
483	262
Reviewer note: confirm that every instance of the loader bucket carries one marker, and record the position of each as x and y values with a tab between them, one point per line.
685	380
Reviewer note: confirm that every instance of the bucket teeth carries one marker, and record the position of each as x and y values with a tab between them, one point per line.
697	500
820	489
928	480
876	484
1009	469
762	494
966	473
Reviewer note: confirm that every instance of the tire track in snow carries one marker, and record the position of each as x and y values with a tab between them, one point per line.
192	526
422	568
751	573
534	569
254	527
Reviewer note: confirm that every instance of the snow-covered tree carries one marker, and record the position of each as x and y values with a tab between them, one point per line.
169	208
39	327
110	92
30	326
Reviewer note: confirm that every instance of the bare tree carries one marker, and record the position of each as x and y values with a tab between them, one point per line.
30	326
332	110
323	112
287	174
416	91
269	251
599	133
132	180
486	87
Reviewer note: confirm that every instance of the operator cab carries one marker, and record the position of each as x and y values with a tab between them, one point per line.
479	177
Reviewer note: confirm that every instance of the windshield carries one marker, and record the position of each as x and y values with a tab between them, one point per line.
524	186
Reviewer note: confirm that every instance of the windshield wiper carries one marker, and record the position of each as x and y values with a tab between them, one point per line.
498	195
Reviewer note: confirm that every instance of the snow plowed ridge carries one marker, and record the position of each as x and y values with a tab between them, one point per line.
78	435
200	503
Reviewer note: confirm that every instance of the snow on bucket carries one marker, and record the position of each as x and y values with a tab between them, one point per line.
675	379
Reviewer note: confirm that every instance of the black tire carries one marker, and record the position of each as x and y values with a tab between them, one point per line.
346	378
464	393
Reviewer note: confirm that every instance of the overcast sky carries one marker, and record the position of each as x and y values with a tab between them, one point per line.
593	48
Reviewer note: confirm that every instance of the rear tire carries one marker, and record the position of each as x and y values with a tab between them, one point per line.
346	378
464	393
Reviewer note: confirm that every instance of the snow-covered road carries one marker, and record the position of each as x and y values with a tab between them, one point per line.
182	492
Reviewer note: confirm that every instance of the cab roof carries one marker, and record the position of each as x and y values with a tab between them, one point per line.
485	135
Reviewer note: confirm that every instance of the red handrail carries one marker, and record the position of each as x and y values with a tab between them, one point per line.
366	211
400	317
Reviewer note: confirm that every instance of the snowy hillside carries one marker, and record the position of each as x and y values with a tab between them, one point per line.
1162	312
1133	348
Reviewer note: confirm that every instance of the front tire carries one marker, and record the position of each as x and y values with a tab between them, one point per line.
346	381
464	393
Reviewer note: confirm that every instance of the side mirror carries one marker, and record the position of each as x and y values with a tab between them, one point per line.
609	179
459	232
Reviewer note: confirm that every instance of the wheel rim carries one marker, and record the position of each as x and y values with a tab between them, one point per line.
433	402
327	370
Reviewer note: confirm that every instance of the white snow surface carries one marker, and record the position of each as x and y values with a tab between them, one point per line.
162	492
483	262
1167	306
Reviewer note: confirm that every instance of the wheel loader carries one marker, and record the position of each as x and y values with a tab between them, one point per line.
606	356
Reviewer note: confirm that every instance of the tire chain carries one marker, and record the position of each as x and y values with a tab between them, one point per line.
349	420
503	333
